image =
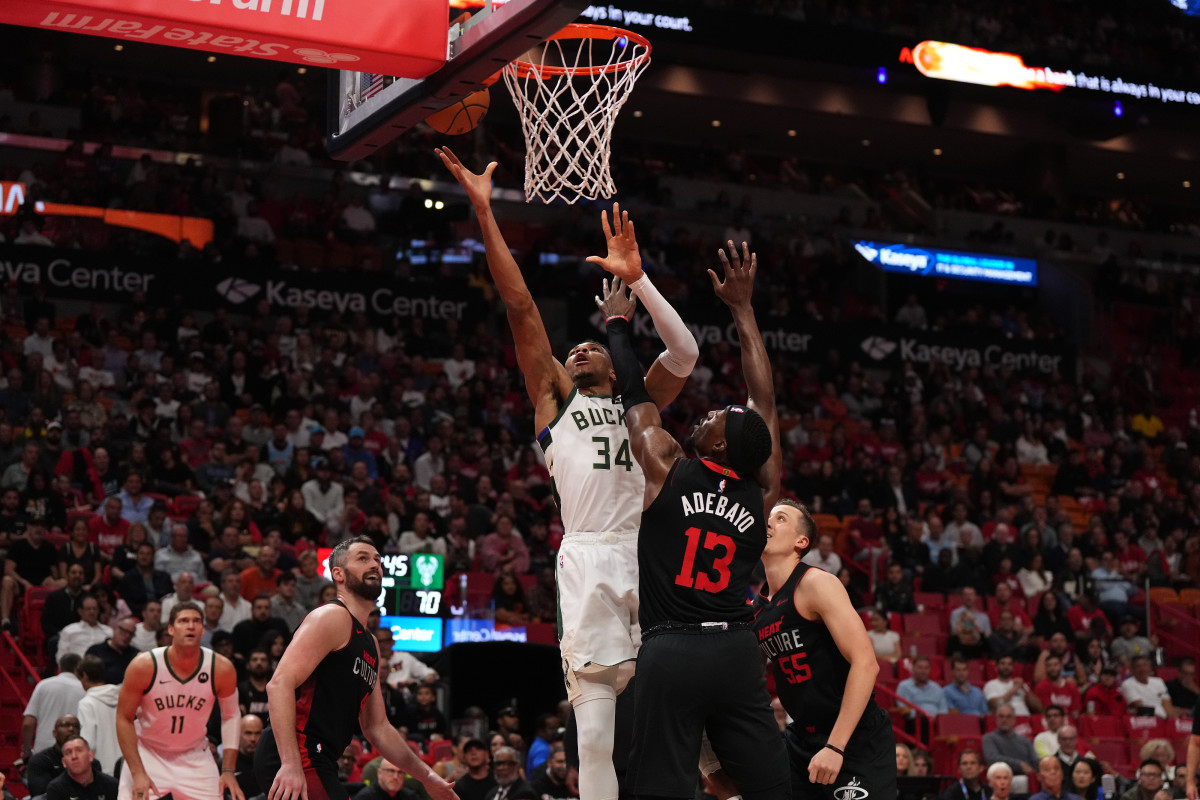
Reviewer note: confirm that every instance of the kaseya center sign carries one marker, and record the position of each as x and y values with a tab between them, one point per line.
408	38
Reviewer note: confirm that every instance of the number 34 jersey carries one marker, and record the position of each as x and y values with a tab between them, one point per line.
598	485
173	716
700	542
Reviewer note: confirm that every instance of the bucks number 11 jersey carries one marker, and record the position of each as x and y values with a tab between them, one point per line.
589	435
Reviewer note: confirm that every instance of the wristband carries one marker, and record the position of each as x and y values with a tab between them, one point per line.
837	750
616	316
227	769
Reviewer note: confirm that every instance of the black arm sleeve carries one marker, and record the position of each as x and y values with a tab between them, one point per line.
629	372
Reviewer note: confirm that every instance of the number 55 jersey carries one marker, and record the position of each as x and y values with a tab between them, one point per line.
699	544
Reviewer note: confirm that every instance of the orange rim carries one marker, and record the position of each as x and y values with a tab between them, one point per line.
526	69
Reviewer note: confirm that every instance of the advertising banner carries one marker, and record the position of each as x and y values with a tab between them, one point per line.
408	39
936	262
103	278
875	345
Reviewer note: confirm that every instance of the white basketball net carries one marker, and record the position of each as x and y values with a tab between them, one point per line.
568	115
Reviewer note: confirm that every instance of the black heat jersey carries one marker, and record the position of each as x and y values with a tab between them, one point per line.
699	543
810	671
328	703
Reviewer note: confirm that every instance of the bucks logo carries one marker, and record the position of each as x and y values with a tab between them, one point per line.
427	569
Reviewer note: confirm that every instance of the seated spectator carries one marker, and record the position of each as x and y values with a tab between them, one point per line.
252	692
1050	776
508	599
1006	745
285	604
261	579
922	692
503	550
1046	742
146	633
1144	692
895	595
108	529
421	539
1007	601
213	610
46	763
115	653
250	732
227	554
1150	777
1086	614
179	556
144	583
1000	778
552	782
425	721
1129	645
885	642
248	633
542	597
823	557
62	605
185	588
961	696
1008	689
1113	590
969	786
309	582
1183	689
1051	619
1068	753
135	506
78	550
1008	640
80	778
77	637
969	625
506	762
237	608
1058	690
1105	698
31	561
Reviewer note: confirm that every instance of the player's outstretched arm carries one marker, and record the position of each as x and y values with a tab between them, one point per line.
323	631
822	594
654	449
138	675
1193	765
736	290
671	369
225	683
546	380
392	746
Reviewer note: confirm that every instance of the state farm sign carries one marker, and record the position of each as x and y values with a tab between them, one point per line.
407	39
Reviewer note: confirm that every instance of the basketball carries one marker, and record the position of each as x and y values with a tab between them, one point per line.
462	116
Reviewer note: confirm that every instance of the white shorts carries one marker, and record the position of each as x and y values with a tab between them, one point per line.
597	603
190	775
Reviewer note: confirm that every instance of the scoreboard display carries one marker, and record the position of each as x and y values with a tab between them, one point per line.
412	584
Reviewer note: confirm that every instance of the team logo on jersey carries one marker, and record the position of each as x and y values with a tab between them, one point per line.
721	486
851	791
202	677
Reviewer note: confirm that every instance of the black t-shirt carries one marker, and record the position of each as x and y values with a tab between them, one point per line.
1181	696
700	542
34	564
468	788
13	524
549	790
253	700
89	559
102	787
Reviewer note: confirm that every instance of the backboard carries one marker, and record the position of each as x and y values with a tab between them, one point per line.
366	111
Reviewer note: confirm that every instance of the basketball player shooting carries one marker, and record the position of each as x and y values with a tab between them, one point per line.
703	531
162	717
326	681
582	430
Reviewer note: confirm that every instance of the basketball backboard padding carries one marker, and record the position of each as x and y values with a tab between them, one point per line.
492	38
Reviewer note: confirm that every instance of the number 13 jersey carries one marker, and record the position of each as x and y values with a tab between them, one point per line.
700	541
173	716
598	485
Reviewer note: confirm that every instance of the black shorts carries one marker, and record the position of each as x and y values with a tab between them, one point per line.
320	770
689	682
868	769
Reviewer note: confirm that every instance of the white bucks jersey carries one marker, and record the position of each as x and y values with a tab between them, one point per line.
173	716
598	485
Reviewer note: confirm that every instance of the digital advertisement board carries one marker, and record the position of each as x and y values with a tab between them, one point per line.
414	634
954	264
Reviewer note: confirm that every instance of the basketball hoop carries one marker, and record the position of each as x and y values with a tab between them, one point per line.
569	91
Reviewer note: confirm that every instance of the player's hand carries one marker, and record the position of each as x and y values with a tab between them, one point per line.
143	787
478	187
1192	794
289	784
737	289
617	301
229	784
825	766
439	789
624	260
573	782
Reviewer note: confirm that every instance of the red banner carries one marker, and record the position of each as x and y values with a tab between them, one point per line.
406	38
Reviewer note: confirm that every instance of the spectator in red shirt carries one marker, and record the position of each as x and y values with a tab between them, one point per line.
1008	600
262	577
863	530
1057	690
932	483
108	530
1084	614
1104	698
194	449
1131	559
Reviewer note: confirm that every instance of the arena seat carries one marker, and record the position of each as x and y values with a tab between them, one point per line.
1095	728
957	725
925	625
